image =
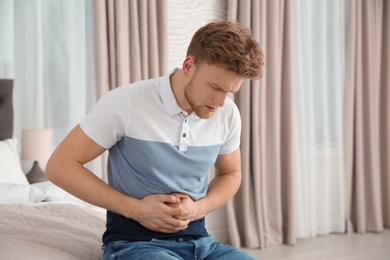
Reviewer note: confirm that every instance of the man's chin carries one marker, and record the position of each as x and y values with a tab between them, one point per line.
207	115
203	112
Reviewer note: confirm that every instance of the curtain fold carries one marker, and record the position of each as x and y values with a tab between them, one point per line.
130	41
262	212
366	117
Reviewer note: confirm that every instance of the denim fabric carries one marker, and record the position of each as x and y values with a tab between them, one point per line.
157	249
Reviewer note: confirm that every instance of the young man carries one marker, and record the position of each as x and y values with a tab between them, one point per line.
163	136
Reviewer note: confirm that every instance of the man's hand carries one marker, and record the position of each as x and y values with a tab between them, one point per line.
158	212
188	206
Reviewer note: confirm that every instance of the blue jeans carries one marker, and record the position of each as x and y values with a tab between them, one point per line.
157	249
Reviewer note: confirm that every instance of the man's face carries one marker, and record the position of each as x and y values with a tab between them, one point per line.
209	87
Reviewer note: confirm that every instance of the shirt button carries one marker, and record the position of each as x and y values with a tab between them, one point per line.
184	135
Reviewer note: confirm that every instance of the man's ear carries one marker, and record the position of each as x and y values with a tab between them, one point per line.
188	65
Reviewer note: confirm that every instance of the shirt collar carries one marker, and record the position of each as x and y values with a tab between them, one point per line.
168	97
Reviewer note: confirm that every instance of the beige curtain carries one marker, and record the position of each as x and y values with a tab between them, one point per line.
367	116
262	212
131	42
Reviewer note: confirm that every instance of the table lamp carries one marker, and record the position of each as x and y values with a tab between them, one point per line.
36	146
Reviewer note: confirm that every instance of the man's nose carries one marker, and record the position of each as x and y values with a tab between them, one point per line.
220	99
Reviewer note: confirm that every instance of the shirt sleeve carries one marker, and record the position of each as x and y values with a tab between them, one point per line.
106	122
232	141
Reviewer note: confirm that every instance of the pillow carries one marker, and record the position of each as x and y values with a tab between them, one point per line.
11	193
10	169
52	192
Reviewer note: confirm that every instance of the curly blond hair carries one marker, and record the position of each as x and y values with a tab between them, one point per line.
227	44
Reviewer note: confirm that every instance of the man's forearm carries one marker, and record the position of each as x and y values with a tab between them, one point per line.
82	183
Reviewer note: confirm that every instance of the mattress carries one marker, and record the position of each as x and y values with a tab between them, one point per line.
50	231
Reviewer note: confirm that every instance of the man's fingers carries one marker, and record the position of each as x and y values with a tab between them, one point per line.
180	195
173	226
178	223
168	198
163	213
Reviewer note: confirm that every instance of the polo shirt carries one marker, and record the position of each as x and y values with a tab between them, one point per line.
157	148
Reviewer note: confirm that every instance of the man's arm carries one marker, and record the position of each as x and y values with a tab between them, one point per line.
221	189
65	168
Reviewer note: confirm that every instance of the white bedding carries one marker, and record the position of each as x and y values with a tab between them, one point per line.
50	231
42	221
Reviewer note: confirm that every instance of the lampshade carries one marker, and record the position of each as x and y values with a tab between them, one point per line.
36	144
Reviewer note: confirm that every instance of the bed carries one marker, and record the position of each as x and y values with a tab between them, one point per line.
40	220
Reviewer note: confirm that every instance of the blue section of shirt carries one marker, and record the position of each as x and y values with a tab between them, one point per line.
147	167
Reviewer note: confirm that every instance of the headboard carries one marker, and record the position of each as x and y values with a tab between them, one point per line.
6	109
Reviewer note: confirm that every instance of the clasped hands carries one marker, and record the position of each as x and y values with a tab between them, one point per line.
167	213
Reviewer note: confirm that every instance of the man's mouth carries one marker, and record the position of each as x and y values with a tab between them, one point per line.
212	109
